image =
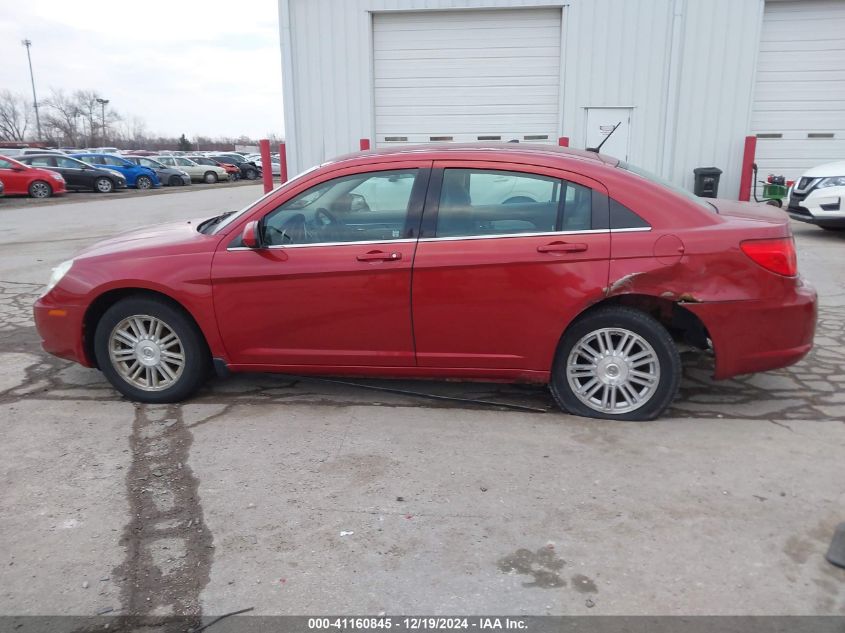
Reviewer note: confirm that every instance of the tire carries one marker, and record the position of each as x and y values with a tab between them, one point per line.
103	185
40	189
143	182
251	174
209	177
643	399
157	380
174	181
775	202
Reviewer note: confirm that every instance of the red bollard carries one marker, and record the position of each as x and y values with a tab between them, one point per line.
365	144
266	165
283	164
747	162
563	141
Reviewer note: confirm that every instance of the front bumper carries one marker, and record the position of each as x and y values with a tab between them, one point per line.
824	207
760	335
61	330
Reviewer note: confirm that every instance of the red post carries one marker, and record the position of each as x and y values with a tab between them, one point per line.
365	144
283	164
747	162
266	165
563	141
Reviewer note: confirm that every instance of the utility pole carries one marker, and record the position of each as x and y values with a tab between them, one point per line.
28	43
103	103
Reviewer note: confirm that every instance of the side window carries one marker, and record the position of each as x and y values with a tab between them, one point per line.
477	202
43	161
67	163
4	164
114	161
621	217
358	208
577	211
166	160
183	162
97	160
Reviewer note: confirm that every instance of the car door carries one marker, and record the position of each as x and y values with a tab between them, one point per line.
332	284
189	166
14	178
497	277
75	174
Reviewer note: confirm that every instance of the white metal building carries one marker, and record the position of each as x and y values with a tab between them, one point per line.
688	79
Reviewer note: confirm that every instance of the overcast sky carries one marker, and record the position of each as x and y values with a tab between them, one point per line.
207	67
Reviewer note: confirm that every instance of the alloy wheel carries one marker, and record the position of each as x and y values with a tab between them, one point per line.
146	352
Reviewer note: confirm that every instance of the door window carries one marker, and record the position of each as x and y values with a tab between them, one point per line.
360	208
97	160
4	164
43	161
68	163
114	161
477	202
184	162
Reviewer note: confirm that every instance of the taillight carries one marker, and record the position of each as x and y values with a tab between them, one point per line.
776	255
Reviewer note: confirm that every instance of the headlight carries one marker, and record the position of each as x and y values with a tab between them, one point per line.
57	274
56	176
114	173
183	173
836	181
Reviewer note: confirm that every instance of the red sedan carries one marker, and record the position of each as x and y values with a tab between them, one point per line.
513	263
23	180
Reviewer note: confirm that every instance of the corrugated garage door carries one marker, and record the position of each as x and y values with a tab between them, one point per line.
467	75
799	98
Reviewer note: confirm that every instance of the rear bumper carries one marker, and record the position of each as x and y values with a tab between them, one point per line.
61	330
754	336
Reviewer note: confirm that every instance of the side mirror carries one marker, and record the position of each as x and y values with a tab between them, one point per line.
250	236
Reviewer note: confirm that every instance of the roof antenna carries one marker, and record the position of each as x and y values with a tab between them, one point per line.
596	149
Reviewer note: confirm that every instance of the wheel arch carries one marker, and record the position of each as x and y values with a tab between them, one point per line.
104	301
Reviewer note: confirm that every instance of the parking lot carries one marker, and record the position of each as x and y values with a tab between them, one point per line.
302	496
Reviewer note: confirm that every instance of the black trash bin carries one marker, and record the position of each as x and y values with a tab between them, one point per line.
706	181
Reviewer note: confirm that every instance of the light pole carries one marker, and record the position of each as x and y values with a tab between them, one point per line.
28	43
103	103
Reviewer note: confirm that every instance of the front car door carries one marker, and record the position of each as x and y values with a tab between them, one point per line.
509	255
332	284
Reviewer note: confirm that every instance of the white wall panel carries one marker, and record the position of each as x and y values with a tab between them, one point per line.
685	67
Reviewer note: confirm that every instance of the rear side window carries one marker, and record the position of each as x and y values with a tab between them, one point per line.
621	217
477	202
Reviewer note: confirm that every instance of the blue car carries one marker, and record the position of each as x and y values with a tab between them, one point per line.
136	176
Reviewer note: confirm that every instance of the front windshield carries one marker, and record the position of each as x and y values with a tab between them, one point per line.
642	173
252	205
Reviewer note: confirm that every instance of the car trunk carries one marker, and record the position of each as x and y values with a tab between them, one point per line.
750	211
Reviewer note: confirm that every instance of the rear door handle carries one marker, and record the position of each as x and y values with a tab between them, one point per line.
379	256
561	247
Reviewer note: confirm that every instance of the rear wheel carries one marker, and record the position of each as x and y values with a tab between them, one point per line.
40	189
144	182
210	177
150	351
616	363
103	185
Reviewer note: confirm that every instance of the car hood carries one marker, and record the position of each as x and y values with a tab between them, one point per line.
174	236
750	210
828	169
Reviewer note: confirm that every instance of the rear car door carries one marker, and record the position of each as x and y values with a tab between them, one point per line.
509	254
332	284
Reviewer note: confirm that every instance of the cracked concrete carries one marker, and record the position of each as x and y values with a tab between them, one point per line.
239	497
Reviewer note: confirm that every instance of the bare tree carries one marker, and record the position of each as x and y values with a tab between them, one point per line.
15	116
63	116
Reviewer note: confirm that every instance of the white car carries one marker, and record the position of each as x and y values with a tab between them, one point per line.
819	197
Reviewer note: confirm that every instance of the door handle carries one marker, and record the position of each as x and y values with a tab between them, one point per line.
561	247
379	256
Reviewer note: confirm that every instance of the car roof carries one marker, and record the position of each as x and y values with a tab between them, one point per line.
498	151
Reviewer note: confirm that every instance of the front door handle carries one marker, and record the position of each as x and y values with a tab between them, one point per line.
379	256
561	247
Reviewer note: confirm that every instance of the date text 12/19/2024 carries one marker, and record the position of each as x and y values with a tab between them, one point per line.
418	623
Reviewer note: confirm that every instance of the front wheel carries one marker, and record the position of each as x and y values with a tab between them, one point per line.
210	177
251	174
151	351
144	182
616	363
40	189
174	181
103	185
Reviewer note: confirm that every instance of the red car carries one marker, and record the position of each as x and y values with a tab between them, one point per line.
23	180
512	263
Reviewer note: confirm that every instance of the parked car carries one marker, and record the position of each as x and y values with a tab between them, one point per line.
78	175
249	170
135	175
23	180
233	171
170	176
198	173
2	189
819	197
590	288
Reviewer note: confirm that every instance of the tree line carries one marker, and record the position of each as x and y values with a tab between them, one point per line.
77	119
